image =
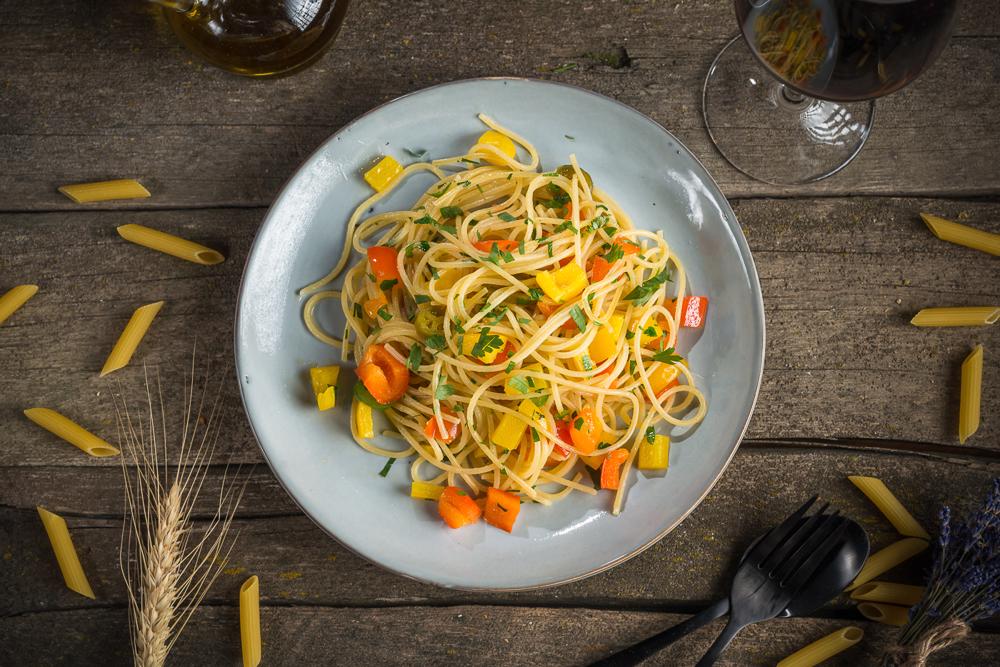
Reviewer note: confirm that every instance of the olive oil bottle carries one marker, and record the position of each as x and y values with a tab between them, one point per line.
256	37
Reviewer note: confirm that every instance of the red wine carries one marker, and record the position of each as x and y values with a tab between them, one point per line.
846	50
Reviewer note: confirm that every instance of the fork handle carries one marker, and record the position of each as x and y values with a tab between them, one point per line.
636	653
721	642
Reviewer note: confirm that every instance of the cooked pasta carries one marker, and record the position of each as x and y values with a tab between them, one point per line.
889	505
65	552
250	621
84	193
169	244
960	234
14	298
888	592
971	394
512	321
825	648
70	431
888	558
971	316
130	337
889	614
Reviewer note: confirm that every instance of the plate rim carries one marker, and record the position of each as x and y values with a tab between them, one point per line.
735	230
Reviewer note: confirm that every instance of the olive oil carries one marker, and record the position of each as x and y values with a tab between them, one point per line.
257	37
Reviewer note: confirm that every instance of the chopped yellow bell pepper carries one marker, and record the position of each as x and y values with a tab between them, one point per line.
582	362
605	341
425	490
509	432
594	462
664	376
530	410
324	385
564	283
383	173
516	382
364	422
469	342
501	142
372	306
655	455
651	333
448	278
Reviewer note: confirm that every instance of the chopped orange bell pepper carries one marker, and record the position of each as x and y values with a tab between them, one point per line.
628	247
599	269
502	508
372	306
693	311
504	245
383	262
585	430
457	507
432	430
611	469
385	378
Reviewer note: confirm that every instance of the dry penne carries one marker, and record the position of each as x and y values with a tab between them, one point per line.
170	244
14	298
130	337
890	614
84	193
888	592
250	621
970	237
65	552
968	316
889	505
825	648
972	389
70	431
888	558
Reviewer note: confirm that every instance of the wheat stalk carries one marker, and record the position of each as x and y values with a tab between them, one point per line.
169	562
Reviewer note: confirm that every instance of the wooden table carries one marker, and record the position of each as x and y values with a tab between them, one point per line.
102	90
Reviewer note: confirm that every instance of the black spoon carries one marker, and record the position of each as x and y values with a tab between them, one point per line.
831	578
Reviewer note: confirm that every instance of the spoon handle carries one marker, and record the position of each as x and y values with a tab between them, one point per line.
721	642
636	653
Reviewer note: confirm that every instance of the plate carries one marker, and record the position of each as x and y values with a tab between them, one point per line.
336	483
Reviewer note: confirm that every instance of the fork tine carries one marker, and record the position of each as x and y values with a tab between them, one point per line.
813	553
804	529
778	535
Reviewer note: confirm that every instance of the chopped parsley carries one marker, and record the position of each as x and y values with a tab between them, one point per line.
604	445
465	184
667	356
578	423
520	247
564	226
650	435
434	273
384	313
525	320
629	335
458	326
578	317
519	383
614	254
416	352
511	366
448	228
443	391
631	366
643	292
442	190
486	343
451	212
387	284
358	312
534	435
588	365
421	298
436	342
425	220
385	469
422	246
506	217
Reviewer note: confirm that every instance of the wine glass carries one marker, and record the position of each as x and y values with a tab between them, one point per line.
256	37
791	99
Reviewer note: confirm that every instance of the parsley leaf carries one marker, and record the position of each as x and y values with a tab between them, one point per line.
604	445
614	254
385	469
442	190
506	217
578	317
650	435
384	313
578	423
564	226
358	312
667	356
629	335
436	342
425	220
422	246
421	298
451	212
519	383
643	292
588	365
511	366
416	352
387	284
486	343
443	391
448	228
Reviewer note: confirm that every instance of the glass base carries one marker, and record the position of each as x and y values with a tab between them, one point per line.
773	133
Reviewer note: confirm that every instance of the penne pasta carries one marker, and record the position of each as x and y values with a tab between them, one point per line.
825	648
170	244
14	298
889	614
889	505
890	593
970	237
971	316
972	388
888	558
250	621
84	193
65	552
70	431
130	337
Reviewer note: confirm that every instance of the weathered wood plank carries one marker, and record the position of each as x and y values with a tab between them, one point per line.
301	565
832	271
427	635
107	91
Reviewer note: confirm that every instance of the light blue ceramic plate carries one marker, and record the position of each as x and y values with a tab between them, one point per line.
641	165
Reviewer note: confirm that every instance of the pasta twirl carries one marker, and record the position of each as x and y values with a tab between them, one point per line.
889	593
130	337
170	244
889	505
825	648
84	193
70	431
65	552
970	237
250	621
888	558
972	388
889	614
14	298
971	316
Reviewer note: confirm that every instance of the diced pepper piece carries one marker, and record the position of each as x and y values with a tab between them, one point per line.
627	246
605	342
583	362
324	385
382	260
501	142
519	383
530	410
599	269
509	432
432	430
502	509
693	311
469	342
363	420
586	430
563	284
372	306
425	490
457	508
503	245
655	455
611	469
385	378
447	278
593	462
651	334
383	173
663	377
